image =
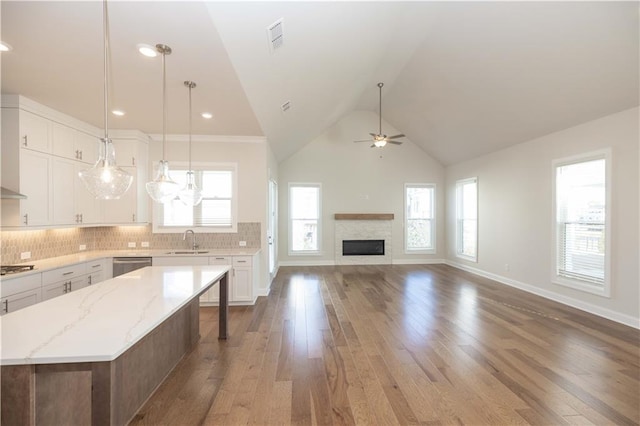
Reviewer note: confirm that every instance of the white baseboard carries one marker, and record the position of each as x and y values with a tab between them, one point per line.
263	291
418	261
565	300
306	263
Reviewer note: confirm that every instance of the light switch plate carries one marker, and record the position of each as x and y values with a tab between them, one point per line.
144	244
131	245
243	243
25	255
83	247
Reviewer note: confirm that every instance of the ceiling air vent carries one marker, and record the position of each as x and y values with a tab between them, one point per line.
286	106
275	35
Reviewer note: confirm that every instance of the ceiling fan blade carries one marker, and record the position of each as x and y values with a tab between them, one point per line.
373	134
396	136
364	140
373	146
395	142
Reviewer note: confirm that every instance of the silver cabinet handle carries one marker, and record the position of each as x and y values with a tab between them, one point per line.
133	216
133	161
89	279
97	265
67	273
26	219
77	154
80	154
26	140
81	218
5	306
64	289
241	261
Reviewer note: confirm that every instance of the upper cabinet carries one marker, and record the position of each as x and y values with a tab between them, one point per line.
42	152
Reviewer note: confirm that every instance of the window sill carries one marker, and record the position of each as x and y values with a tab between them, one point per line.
305	253
603	291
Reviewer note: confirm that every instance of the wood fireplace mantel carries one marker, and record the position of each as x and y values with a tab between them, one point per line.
363	216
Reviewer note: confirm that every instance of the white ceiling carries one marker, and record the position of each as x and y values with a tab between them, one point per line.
461	78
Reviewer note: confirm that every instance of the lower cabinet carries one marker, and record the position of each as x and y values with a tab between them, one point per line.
241	276
20	292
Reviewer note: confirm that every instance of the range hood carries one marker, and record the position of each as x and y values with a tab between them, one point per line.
7	194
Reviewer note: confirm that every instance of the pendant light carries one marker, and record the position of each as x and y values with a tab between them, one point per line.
163	189
190	195
105	180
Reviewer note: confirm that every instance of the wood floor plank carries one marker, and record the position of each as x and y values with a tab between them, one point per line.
402	344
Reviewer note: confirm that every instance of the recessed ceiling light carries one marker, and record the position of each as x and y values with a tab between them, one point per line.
147	50
5	47
118	112
207	115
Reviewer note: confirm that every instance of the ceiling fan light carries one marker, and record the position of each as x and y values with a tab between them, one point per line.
380	143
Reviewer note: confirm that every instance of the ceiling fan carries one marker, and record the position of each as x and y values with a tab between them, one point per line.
379	140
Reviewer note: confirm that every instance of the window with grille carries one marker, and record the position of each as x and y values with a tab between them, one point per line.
467	219
420	218
304	218
217	210
580	222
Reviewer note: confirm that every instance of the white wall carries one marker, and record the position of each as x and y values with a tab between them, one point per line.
252	157
515	213
359	179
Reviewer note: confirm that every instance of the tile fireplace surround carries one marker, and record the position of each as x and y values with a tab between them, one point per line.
363	226
59	242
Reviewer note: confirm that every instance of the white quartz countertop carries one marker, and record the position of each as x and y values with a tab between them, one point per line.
100	322
85	256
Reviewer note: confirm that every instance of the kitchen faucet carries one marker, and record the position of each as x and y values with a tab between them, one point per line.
194	246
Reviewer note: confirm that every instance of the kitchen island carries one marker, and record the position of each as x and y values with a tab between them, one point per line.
95	355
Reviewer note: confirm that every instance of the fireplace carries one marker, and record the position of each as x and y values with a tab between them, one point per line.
363	247
363	238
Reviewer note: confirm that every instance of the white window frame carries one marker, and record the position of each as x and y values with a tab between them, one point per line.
459	221
432	219
605	289
318	251
158	208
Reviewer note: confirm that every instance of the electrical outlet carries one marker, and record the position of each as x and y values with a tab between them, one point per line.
144	244
131	245
83	247
243	243
506	266
25	255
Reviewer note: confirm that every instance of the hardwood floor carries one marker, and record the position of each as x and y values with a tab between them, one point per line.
402	345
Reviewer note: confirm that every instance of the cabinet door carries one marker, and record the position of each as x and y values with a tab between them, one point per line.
213	295
62	140
122	210
54	290
78	282
87	147
35	132
35	183
86	205
242	288
95	278
20	300
63	183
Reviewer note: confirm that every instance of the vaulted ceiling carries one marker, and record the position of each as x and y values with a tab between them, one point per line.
461	78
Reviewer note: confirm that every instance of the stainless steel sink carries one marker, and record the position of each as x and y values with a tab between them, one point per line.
188	252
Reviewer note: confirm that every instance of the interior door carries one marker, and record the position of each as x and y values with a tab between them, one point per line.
272	232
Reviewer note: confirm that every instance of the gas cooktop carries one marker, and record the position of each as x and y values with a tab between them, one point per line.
12	269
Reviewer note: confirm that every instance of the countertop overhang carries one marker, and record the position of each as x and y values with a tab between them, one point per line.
100	322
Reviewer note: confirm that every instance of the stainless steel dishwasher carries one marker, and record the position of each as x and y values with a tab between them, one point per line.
122	265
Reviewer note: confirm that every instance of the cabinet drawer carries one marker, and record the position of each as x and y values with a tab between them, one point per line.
61	274
20	300
20	284
220	260
241	261
94	266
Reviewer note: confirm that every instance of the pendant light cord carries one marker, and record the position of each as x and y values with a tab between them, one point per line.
191	85
164	106
105	18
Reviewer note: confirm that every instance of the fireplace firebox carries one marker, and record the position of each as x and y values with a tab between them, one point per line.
363	247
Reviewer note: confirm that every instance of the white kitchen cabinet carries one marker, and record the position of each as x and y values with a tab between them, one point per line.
213	295
35	182
63	177
242	288
73	144
123	210
180	260
34	131
20	292
88	209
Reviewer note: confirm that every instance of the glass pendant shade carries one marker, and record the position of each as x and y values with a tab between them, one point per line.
163	189
190	195
105	180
